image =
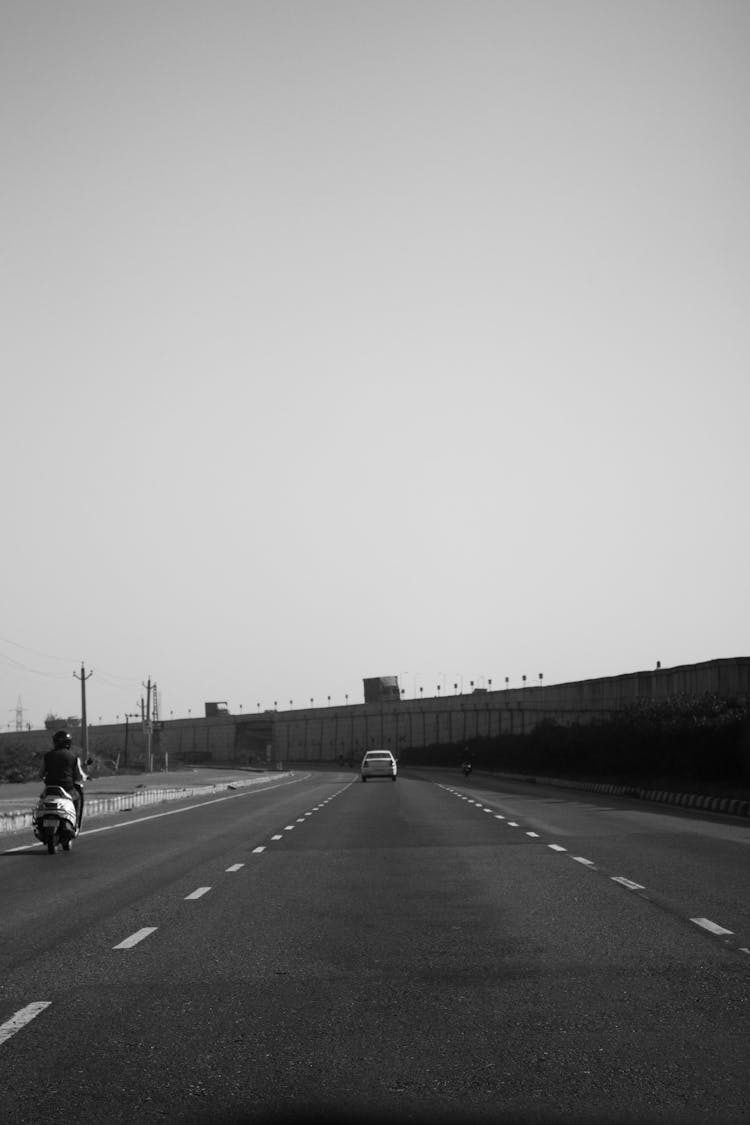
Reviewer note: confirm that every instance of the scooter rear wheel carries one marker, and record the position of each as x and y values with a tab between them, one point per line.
51	846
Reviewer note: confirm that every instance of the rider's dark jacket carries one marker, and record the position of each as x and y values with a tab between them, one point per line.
62	767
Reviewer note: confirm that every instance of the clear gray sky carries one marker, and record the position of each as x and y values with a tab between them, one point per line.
368	338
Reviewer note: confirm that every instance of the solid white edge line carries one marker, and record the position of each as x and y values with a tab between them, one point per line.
21	1018
175	812
707	924
198	893
627	883
139	935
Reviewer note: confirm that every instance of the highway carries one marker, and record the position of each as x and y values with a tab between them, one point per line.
438	949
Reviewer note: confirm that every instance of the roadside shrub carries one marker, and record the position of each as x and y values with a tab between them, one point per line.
18	763
687	738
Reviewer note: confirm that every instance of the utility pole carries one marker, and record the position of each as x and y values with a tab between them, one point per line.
128	715
84	725
148	725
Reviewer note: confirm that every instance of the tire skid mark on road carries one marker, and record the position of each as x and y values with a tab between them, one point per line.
727	937
21	1018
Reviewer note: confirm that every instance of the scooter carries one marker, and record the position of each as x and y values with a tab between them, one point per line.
54	818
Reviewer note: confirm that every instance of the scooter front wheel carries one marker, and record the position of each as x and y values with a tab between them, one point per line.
51	845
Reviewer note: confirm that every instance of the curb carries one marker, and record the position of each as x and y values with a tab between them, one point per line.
731	805
140	798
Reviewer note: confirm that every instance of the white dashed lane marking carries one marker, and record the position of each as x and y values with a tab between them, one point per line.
704	923
199	893
276	837
262	848
707	924
139	935
235	867
627	883
20	1019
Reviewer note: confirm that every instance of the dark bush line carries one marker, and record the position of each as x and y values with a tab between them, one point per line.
18	763
686	738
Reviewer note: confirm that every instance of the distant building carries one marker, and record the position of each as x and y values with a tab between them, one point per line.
382	689
214	710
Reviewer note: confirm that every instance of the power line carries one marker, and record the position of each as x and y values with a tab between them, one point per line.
36	652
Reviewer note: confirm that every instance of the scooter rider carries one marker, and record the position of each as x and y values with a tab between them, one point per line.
63	767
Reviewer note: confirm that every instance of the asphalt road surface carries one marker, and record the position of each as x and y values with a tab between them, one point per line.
431	950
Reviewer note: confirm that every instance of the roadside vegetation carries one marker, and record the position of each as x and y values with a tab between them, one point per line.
694	741
19	763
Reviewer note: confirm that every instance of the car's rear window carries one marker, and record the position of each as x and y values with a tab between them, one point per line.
375	754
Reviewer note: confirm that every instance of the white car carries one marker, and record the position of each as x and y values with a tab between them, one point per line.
378	763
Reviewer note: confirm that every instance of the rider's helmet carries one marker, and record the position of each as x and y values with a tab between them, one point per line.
62	740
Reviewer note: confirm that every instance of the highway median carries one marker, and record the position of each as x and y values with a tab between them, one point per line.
105	796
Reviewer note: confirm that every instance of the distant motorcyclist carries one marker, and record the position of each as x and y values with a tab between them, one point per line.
63	767
466	767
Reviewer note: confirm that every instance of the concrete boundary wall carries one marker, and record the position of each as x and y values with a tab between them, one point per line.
327	734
